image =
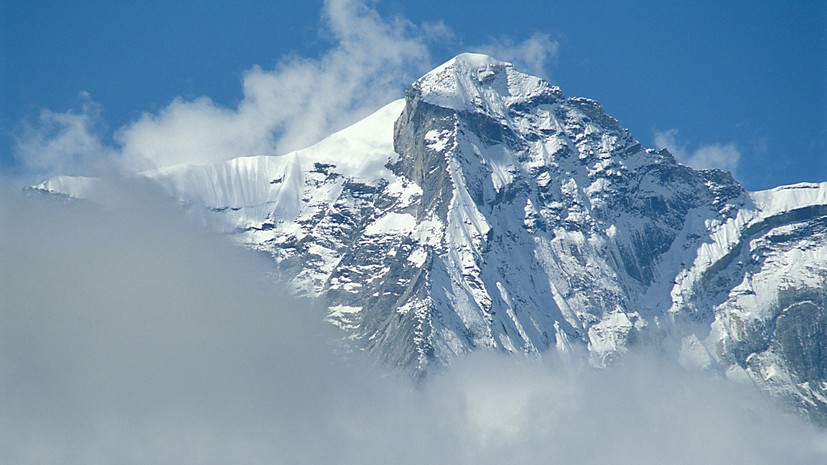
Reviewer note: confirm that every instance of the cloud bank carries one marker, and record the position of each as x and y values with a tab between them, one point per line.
712	156
128	336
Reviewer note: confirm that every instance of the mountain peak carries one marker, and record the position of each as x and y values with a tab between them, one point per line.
477	82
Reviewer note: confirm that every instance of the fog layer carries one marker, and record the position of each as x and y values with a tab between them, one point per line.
129	336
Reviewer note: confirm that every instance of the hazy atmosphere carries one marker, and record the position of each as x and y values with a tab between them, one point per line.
129	334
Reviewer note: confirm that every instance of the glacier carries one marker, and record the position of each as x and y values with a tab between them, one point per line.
488	211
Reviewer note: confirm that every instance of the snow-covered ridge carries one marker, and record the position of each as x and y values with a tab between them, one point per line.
259	198
784	198
726	237
77	187
360	152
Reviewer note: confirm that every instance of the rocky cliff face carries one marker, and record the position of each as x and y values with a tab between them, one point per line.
488	210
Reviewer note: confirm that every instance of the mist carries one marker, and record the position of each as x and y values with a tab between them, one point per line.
128	335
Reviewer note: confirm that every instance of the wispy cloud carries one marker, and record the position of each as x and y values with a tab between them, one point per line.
718	156
296	103
64	143
531	55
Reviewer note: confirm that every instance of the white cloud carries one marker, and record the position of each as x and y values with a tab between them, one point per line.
293	105
64	143
531	55
122	341
718	156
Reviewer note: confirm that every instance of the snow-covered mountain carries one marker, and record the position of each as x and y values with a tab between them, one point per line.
488	210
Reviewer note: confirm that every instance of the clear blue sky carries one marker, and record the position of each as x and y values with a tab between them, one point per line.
749	76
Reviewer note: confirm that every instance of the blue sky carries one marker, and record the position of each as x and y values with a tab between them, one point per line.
740	85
